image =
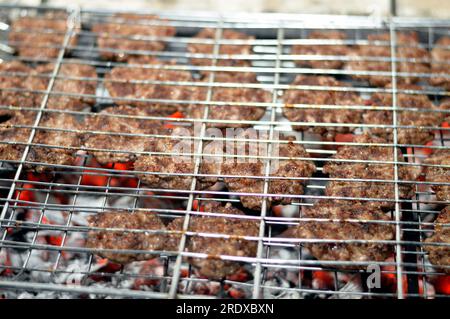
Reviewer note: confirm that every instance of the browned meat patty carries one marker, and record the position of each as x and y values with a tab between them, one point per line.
316	49
414	118
224	49
116	127
439	174
25	87
120	86
236	245
364	170
235	95
407	48
71	141
440	255
179	162
119	37
440	63
321	97
343	229
445	105
127	239
41	37
284	168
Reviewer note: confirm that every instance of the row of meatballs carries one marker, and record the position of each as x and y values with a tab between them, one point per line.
227	237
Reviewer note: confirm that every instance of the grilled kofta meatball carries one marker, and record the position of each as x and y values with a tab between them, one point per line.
115	123
317	49
373	225
321	97
363	169
23	86
408	118
236	245
65	144
436	174
408	47
283	168
132	237
440	60
119	38
440	255
41	37
224	49
119	84
236	113
10	134
174	155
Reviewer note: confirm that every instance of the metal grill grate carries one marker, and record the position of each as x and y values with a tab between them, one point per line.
281	267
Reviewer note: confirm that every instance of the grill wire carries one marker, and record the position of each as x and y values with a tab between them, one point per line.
272	62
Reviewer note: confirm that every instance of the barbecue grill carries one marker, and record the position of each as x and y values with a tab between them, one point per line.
43	216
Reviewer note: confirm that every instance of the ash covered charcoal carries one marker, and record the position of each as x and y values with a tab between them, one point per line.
440	59
130	238
121	37
408	47
363	227
224	49
440	255
363	169
436	174
236	113
119	85
284	168
236	245
322	97
337	50
175	157
115	130
41	37
23	86
427	117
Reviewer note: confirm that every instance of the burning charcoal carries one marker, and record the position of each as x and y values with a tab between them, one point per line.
343	229
128	238
440	255
236	245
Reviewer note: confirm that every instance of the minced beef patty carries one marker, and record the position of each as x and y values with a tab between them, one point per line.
235	95
439	174
44	135
346	230
122	91
118	36
321	97
407	48
123	240
212	266
20	82
182	162
417	136
364	170
284	168
440	63
332	49
116	127
40	37
224	49
440	255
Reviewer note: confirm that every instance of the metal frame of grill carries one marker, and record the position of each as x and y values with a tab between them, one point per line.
275	34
